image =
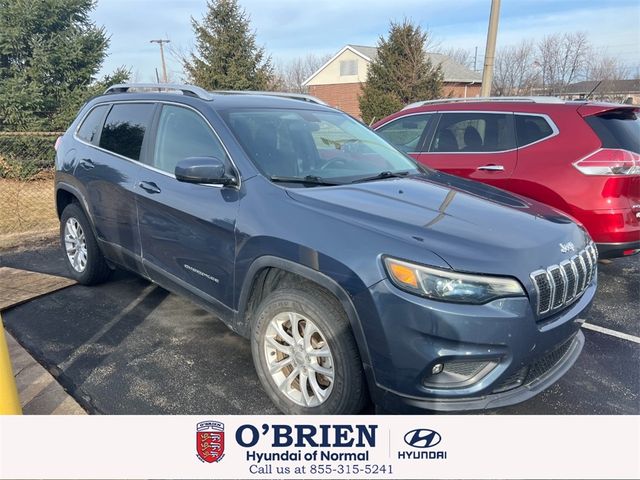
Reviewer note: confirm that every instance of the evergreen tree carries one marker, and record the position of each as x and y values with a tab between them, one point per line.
50	52
401	73
227	56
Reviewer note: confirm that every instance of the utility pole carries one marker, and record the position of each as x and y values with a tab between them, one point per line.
164	65
490	52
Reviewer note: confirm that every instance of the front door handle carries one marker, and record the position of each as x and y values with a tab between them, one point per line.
492	168
149	187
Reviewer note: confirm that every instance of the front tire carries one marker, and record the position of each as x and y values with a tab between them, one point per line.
305	354
84	260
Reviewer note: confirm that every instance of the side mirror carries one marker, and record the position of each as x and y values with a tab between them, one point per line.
203	170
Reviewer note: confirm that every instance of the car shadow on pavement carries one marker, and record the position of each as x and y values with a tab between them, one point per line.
130	347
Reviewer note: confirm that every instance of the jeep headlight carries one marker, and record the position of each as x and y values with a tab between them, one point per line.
449	286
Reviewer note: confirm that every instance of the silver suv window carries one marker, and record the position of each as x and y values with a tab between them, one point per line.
183	133
125	127
92	124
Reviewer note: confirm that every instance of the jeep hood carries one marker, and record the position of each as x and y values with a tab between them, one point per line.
472	226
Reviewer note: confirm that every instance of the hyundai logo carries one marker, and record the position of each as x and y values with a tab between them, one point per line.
422	438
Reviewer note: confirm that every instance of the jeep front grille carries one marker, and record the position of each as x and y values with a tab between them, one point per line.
560	285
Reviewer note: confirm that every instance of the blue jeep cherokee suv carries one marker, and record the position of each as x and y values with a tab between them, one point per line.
357	274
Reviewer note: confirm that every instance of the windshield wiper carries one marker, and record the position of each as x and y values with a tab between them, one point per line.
382	175
308	180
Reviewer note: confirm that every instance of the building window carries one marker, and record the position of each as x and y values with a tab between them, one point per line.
348	67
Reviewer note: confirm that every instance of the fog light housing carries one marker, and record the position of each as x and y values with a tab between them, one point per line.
437	368
458	373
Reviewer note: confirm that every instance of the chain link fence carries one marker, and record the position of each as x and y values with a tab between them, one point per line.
27	207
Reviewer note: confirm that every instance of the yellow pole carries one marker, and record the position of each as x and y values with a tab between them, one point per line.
9	400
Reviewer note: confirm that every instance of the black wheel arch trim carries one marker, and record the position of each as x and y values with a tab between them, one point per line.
268	261
66	187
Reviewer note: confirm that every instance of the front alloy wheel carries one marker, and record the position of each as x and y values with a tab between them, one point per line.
299	359
305	354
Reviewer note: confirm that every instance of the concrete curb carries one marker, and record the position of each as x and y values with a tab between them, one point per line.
40	393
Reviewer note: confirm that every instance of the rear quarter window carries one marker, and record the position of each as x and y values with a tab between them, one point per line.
531	129
125	128
92	124
617	129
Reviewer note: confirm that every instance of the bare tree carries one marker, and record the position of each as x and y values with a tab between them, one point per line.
514	70
292	74
563	59
605	67
460	55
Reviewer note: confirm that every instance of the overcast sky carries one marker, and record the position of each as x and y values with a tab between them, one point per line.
290	28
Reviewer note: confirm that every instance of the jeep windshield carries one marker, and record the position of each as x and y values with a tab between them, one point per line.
315	148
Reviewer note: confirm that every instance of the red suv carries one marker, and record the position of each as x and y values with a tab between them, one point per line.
581	157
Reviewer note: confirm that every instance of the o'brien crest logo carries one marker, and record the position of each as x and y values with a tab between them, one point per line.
210	441
567	247
421	439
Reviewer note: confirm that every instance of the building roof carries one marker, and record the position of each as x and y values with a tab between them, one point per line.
370	52
608	86
452	71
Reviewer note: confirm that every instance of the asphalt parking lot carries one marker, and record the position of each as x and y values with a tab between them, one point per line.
129	347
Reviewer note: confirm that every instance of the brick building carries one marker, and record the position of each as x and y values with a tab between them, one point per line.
339	81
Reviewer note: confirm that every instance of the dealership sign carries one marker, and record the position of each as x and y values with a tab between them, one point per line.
347	447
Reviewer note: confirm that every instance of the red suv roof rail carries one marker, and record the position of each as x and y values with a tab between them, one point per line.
486	99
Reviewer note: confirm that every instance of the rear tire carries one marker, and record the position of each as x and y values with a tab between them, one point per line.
84	260
314	369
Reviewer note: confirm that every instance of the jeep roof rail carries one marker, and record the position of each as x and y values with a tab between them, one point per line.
540	99
189	90
295	96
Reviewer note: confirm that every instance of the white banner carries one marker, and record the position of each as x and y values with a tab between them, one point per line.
320	447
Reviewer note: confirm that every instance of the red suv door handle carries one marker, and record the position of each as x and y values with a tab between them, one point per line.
492	168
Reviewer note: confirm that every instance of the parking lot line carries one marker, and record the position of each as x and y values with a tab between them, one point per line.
107	326
613	333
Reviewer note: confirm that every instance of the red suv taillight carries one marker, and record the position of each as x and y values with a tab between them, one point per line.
610	161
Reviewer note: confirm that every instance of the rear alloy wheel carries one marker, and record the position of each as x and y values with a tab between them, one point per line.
75	244
84	258
305	354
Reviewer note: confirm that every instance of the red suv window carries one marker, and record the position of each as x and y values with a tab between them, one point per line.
474	132
617	129
531	129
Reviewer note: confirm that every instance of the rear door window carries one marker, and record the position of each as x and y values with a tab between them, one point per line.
406	133
531	129
90	129
617	129
125	128
474	132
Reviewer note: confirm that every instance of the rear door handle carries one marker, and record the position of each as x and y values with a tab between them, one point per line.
87	163
149	187
492	168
